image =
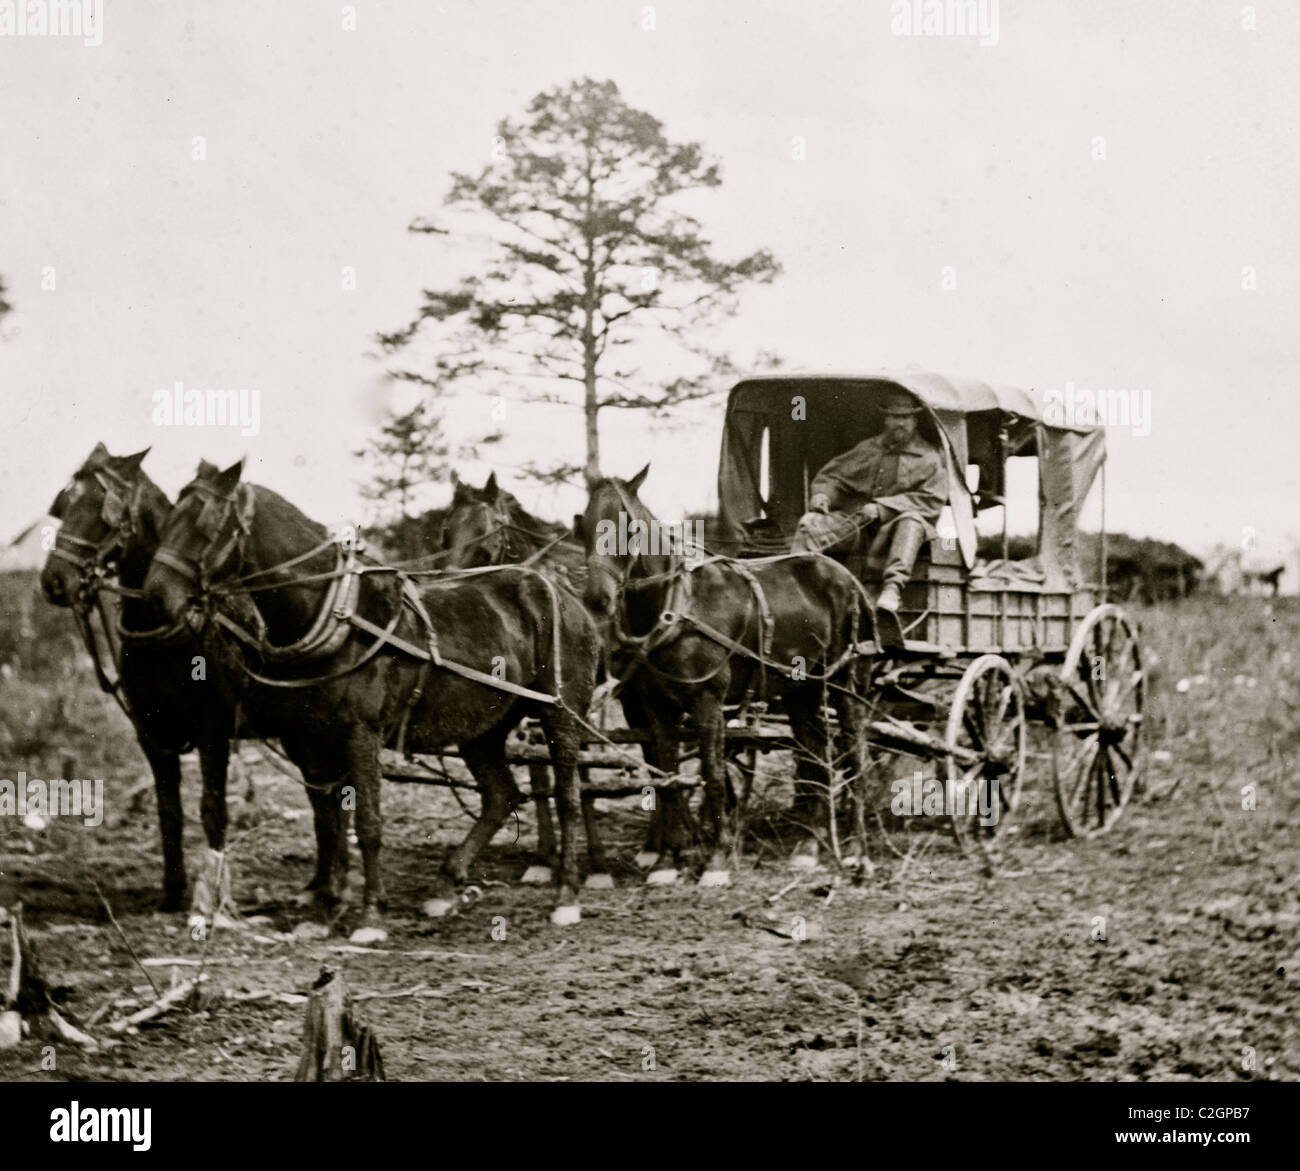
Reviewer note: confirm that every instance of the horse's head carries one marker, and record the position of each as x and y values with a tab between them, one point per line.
101	511
476	531
203	539
612	507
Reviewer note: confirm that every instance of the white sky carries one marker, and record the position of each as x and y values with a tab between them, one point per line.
922	152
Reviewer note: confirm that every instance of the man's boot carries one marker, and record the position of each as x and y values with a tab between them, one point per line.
904	545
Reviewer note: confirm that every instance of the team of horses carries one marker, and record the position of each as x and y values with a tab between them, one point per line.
240	616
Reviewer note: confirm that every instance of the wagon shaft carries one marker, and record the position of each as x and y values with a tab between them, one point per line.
891	735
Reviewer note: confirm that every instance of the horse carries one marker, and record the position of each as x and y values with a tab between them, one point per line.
488	526
360	661
697	633
112	514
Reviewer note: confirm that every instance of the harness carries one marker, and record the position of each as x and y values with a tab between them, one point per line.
96	564
679	618
336	619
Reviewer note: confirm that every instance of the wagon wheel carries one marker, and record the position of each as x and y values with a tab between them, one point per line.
1097	743
987	749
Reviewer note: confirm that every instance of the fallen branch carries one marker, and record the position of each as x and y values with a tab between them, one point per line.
165	1003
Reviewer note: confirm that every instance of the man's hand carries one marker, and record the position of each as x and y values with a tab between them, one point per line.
820	503
869	513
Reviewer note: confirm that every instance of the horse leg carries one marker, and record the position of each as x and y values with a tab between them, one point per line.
852	748
713	814
330	880
599	876
810	808
668	806
634	712
539	783
363	776
562	739
212	898
166	768
655	836
486	759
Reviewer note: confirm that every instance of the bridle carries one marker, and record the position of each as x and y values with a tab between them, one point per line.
498	541
623	574
96	560
495	541
214	517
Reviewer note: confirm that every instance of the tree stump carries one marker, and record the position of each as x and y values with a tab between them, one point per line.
25	999
337	1045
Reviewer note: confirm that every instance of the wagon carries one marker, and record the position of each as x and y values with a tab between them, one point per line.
989	645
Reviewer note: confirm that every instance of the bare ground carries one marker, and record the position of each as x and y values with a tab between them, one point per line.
928	971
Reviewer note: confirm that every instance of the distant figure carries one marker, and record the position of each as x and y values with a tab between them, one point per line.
896	480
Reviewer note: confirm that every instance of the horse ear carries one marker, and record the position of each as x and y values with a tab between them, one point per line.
205	470
636	481
131	463
455	478
225	481
491	489
100	452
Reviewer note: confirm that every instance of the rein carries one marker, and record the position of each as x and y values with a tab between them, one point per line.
96	564
336	618
678	616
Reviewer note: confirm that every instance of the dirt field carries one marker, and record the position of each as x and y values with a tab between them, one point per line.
930	971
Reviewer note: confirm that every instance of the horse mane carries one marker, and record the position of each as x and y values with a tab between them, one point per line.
265	500
520	516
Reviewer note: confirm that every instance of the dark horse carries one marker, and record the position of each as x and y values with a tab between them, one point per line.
112	516
488	526
696	635
350	645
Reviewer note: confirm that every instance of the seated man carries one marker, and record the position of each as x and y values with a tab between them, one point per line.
897	481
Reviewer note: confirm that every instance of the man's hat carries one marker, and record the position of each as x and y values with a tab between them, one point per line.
899	402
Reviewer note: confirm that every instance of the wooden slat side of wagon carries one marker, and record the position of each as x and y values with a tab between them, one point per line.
993	644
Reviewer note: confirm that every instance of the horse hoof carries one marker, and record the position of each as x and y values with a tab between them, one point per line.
566	916
661	877
368	935
308	930
646	859
715	878
438	908
173	900
537	876
599	882
224	921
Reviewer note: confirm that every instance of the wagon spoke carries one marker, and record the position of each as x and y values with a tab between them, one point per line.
1127	687
1113	773
1086	700
1099	767
1084	774
1007	735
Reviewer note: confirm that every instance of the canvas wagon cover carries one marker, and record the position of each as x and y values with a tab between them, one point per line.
801	420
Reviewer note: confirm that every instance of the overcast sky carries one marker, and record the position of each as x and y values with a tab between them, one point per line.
923	153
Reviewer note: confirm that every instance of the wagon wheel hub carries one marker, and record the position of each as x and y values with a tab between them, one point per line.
1113	728
998	761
